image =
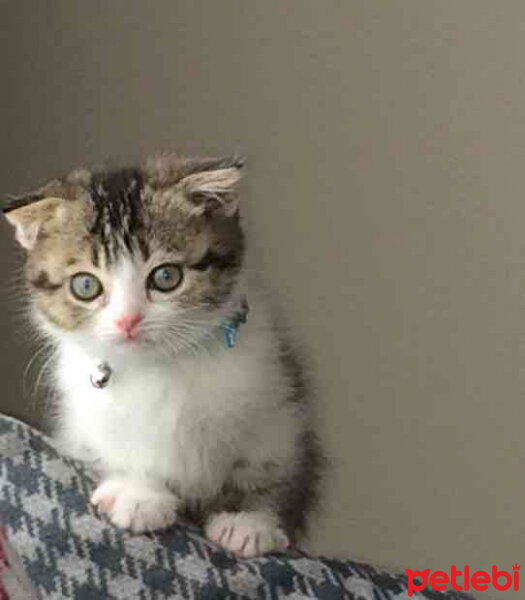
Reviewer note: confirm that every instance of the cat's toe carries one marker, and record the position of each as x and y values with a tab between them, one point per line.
247	534
103	498
136	506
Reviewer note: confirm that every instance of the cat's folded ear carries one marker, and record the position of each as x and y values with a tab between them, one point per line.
28	213
214	189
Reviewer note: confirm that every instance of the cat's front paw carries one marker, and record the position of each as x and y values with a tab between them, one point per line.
247	534
136	505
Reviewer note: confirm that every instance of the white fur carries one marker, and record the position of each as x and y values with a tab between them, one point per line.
178	419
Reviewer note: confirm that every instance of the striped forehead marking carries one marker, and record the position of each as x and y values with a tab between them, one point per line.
119	213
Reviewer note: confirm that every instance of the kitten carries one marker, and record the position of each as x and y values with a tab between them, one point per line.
137	277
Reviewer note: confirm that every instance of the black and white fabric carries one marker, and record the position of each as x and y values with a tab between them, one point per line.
69	552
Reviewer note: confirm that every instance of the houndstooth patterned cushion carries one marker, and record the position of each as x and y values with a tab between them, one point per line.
69	552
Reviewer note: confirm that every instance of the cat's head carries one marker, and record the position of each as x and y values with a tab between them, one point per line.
133	257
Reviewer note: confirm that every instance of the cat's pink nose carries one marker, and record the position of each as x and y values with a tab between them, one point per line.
128	323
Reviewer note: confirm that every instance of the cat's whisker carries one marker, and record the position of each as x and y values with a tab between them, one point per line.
43	348
187	343
47	363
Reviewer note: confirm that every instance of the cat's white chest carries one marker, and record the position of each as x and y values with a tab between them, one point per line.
145	421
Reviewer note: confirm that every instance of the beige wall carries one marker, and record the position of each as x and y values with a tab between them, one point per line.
386	203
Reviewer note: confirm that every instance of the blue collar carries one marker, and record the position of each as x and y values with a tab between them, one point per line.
232	324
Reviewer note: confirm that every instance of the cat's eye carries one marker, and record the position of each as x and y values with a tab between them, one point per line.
165	278
85	287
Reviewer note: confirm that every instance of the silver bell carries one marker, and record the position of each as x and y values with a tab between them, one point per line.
101	375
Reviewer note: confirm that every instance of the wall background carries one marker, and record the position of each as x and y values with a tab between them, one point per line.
386	203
